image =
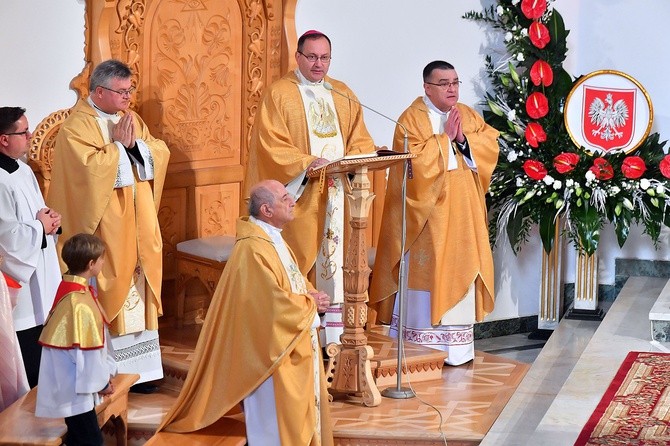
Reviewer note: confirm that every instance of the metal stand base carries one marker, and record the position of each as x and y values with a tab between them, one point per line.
398	393
585	315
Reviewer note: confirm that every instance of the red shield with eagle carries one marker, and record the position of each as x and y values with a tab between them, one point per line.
608	117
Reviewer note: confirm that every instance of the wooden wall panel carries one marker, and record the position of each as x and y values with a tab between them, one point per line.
173	227
216	209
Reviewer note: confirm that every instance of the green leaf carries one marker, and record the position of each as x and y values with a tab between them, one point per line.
513	73
547	229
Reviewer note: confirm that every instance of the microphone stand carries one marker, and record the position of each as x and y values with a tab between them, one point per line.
398	392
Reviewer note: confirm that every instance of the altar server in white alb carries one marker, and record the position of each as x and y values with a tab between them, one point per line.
76	365
27	237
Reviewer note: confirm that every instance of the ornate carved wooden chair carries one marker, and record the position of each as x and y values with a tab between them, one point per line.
40	155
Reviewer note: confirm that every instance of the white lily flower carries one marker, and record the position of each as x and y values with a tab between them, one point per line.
500	10
557	185
548	180
519	182
520	57
511	115
524	32
508	36
512	156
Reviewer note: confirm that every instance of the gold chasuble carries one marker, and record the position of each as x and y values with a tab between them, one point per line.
280	150
447	231
256	327
83	190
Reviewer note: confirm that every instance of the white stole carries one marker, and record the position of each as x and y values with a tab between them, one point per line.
326	141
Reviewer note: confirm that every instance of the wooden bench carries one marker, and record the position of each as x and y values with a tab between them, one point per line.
203	259
19	426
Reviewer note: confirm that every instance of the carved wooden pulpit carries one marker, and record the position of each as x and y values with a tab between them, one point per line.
349	364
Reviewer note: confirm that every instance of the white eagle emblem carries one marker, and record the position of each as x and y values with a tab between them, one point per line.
608	118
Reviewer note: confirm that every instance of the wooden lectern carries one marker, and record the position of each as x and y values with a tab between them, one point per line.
348	370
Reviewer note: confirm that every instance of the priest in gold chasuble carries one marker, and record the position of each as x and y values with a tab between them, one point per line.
449	259
107	180
301	125
259	345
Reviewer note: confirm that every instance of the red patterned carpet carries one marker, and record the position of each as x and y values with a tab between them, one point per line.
636	406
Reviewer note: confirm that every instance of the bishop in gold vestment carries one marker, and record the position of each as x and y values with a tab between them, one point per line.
280	150
447	237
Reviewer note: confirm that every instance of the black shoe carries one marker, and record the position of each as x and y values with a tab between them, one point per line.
145	388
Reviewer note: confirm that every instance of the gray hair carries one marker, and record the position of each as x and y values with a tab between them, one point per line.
106	71
260	195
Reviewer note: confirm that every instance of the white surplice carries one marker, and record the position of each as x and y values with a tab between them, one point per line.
21	236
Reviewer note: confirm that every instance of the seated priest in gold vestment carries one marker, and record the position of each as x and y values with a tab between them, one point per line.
259	345
107	180
450	264
305	120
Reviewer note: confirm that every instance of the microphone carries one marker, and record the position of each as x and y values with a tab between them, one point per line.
328	86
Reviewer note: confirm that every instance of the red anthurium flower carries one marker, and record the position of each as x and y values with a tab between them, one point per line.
535	134
633	167
602	169
565	162
541	73
665	166
537	105
533	9
535	169
539	34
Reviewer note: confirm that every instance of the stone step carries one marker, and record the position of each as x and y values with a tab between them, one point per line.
659	316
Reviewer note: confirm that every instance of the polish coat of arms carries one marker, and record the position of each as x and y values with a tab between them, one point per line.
609	117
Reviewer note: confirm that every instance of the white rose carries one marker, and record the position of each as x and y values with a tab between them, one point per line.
500	10
569	182
614	190
644	184
660	189
548	180
590	176
519	182
508	36
515	2
524	32
557	185
512	156
511	116
520	57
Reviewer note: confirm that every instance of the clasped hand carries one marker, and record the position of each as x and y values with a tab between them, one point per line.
124	131
50	220
453	128
321	299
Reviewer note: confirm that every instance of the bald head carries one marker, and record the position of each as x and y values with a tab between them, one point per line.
269	201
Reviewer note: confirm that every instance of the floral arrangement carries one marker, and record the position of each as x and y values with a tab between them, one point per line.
542	177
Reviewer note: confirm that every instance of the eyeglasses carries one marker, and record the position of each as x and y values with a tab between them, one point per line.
313	57
25	133
127	92
445	85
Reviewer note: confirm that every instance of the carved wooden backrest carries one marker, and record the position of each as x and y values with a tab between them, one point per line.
40	155
200	68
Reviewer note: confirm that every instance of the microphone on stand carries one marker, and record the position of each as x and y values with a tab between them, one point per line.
398	392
